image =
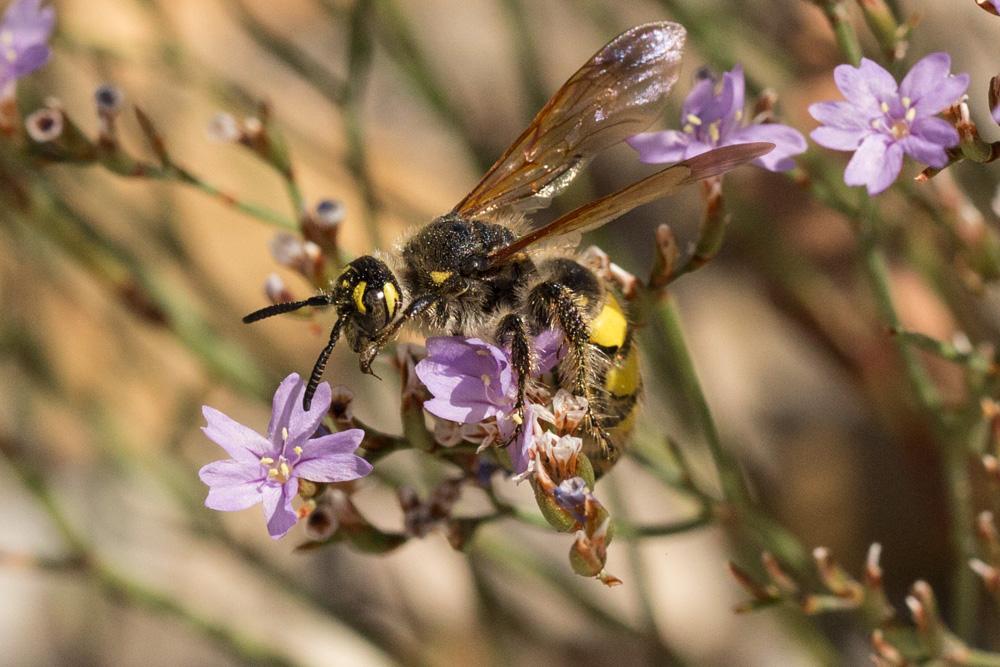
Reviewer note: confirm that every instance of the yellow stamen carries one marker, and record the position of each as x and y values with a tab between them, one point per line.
266	460
885	107
486	379
6	38
273	472
694	120
907	102
11	55
911	114
689	129
284	433
297	450
284	469
483	353
713	132
517	419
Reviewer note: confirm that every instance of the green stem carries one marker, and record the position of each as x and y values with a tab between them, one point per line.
843	30
259	212
965	590
734	488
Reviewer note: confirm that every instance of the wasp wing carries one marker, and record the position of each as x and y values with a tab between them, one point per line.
616	94
602	211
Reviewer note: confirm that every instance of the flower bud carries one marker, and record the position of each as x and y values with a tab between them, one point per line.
275	289
322	224
224	127
329	212
303	256
109	99
56	137
44	125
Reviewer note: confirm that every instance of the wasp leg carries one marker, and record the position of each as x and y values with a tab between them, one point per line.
514	330
554	300
415	309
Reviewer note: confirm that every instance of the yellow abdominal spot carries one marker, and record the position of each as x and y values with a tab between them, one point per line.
391	298
624	380
358	294
609	328
440	276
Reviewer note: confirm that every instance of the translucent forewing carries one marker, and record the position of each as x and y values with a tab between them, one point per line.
662	183
616	94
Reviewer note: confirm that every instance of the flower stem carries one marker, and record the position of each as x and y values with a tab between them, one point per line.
843	30
965	591
734	488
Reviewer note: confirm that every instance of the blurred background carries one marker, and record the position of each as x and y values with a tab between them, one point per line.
122	301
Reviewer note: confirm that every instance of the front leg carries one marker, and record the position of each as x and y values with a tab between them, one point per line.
420	304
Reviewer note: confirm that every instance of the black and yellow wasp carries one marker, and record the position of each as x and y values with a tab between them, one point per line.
482	270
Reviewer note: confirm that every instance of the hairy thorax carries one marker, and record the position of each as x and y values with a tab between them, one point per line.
452	254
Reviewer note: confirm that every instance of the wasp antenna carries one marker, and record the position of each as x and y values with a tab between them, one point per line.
279	308
320	365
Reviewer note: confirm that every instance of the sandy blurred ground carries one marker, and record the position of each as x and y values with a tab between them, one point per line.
814	445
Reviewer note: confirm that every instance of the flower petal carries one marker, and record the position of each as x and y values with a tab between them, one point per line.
920	149
867	85
525	440
787	142
30	59
841	114
936	130
232	485
333	468
838	139
876	164
930	86
287	412
549	350
344	442
660	147
28	23
240	442
278	507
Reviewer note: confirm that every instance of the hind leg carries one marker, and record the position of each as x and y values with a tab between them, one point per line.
555	302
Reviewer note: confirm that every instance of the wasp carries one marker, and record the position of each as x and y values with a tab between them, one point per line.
483	270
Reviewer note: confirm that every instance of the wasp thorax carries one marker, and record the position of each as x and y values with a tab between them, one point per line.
369	296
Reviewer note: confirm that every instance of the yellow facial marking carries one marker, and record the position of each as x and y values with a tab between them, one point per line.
609	328
344	283
440	276
358	294
623	380
391	298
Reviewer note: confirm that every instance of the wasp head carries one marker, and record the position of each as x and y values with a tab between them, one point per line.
368	298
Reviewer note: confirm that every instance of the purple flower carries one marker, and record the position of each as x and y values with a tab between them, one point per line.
712	116
24	35
880	120
267	469
471	380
